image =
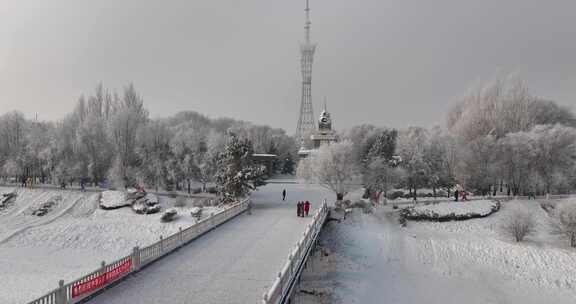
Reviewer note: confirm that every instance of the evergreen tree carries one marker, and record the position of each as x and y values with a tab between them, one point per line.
236	170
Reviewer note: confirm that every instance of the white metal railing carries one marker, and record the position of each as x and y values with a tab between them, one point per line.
284	282
107	274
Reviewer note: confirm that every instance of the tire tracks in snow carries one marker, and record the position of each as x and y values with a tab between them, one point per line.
40	222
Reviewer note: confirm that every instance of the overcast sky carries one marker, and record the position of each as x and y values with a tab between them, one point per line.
387	62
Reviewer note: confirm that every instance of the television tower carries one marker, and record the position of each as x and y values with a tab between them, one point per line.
306	120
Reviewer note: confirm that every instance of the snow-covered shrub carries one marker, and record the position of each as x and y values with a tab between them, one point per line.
169	215
451	211
519	224
196	213
566	221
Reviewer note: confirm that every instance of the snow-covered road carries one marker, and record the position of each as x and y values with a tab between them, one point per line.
235	263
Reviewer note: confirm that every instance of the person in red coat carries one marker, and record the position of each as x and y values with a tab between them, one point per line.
306	207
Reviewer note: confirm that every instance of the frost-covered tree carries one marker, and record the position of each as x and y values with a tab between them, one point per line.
501	106
412	144
380	145
440	155
154	154
510	137
381	176
92	138
13	130
334	167
477	165
565	221
236	170
554	154
129	115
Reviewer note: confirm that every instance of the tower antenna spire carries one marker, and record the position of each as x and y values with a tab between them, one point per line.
308	23
306	122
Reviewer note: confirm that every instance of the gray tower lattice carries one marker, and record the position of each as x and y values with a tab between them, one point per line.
306	120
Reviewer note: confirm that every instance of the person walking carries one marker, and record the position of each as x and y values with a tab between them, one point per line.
306	208
298	208
284	195
456	195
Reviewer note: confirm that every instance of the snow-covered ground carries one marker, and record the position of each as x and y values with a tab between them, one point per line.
370	259
71	240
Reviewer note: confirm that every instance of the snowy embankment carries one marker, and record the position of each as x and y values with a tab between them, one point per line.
72	239
450	211
5	196
35	208
479	249
370	259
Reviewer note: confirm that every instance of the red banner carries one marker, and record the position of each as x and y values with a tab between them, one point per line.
80	288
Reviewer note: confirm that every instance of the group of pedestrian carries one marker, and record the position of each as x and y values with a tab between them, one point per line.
463	195
302	208
27	182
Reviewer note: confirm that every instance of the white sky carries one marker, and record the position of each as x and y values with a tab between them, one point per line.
387	62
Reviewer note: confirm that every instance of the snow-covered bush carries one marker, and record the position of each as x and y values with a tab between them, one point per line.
169	215
196	213
451	211
566	221
519	224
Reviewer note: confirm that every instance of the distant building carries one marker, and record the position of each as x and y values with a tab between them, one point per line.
266	160
324	135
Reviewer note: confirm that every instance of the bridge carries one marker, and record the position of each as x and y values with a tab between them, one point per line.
235	263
